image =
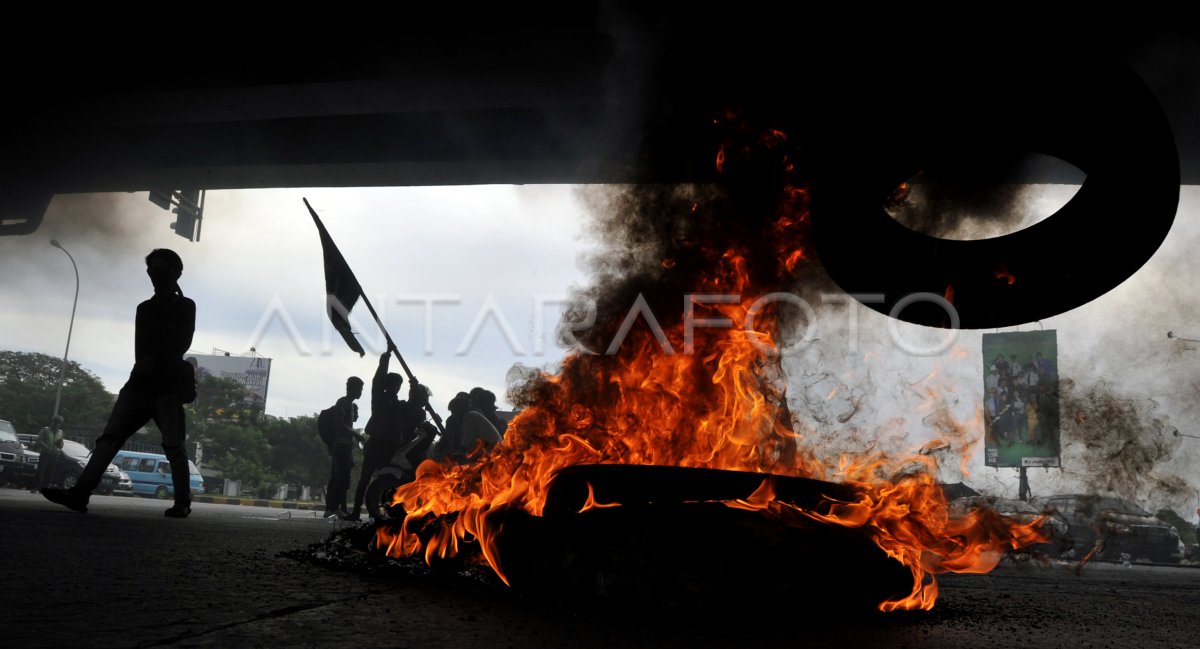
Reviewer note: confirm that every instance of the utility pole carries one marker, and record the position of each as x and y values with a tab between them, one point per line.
62	372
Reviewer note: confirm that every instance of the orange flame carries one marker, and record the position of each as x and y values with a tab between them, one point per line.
899	196
591	503
1087	557
720	407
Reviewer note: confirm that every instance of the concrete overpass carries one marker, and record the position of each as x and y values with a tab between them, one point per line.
588	92
600	91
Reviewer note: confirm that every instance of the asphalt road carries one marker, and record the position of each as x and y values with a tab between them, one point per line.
125	576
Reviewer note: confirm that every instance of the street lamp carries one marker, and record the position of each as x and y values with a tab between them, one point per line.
63	370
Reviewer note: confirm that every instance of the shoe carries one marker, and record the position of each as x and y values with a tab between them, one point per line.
329	514
178	511
66	498
351	516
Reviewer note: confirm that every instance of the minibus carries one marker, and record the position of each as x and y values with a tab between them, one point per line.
151	474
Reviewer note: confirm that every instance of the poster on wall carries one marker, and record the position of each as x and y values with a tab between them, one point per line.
1021	411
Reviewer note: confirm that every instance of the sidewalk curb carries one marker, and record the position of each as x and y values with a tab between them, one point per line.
257	502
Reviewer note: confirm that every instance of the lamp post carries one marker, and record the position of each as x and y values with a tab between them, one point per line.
63	370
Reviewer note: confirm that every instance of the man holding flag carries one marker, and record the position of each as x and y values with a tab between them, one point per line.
391	425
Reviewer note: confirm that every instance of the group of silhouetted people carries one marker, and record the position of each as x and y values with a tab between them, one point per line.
399	432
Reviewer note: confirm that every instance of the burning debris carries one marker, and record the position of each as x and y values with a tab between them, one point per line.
676	390
352	548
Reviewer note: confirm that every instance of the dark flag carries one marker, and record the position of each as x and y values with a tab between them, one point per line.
341	287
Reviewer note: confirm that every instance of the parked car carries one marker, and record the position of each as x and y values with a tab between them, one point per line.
27	477
29	471
1053	526
71	461
18	464
1117	529
124	485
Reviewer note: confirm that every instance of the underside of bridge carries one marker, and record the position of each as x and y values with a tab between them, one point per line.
588	92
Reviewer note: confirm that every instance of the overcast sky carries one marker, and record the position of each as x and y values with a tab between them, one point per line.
257	279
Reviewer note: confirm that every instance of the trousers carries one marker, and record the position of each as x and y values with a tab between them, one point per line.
131	411
375	457
47	464
341	461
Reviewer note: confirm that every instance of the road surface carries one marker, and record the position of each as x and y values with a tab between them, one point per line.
123	575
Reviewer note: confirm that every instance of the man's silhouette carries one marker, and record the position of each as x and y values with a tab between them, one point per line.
341	450
390	426
484	402
160	383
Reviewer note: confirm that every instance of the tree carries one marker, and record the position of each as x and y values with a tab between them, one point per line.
218	401
262	452
241	453
297	453
222	400
29	382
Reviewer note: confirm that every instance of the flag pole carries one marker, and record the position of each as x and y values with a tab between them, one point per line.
437	419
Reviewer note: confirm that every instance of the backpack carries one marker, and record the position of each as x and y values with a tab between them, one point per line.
185	382
327	425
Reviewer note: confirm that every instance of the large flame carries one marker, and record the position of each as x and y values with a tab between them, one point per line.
704	392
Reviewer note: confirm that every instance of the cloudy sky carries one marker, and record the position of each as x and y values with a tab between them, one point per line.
485	257
471	253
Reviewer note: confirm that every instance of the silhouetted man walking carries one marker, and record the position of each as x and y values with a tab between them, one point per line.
160	383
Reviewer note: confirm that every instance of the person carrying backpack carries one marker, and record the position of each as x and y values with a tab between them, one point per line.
336	428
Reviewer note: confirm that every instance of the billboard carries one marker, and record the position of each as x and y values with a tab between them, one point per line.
1021	411
254	372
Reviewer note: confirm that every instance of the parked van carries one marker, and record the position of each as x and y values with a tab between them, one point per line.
151	474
